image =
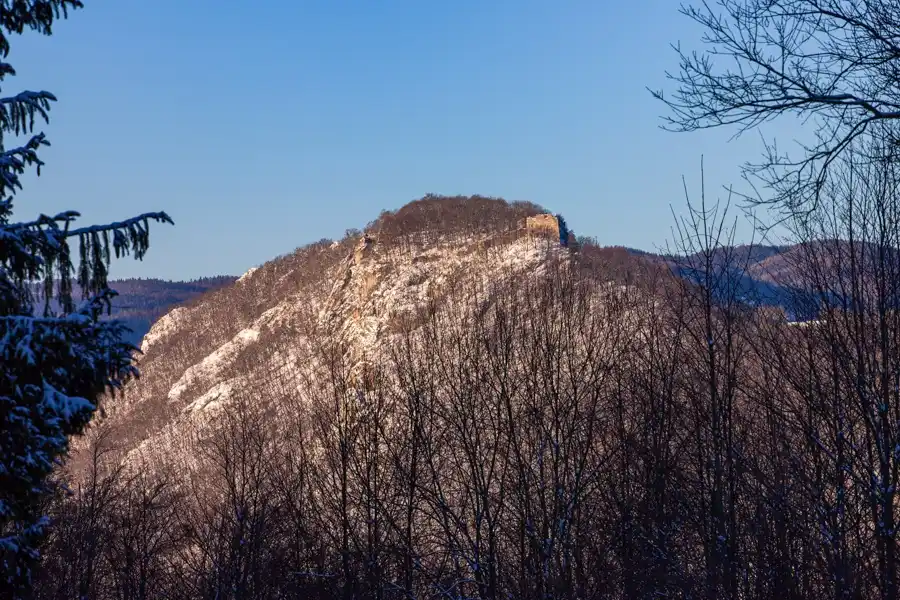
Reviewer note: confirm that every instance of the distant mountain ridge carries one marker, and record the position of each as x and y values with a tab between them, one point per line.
142	301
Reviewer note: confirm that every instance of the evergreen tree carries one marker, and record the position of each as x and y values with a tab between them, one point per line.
54	364
563	230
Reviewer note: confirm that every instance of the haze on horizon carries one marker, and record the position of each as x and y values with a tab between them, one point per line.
263	130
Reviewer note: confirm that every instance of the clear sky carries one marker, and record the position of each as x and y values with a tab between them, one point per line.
261	126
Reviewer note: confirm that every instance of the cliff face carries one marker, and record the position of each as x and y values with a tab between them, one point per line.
280	329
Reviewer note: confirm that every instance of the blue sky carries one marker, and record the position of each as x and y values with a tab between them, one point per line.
262	126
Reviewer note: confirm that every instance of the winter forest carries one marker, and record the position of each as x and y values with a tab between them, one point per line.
451	405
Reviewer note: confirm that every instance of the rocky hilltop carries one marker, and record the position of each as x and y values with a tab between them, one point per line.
272	334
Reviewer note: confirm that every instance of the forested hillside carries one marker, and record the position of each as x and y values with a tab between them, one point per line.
447	403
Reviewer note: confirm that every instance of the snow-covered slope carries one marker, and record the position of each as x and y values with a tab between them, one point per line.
322	320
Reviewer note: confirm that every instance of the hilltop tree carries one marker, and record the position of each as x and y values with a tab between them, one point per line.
563	230
834	61
55	363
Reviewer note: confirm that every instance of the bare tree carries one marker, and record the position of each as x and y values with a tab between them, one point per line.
231	521
851	266
141	538
836	62
715	304
82	526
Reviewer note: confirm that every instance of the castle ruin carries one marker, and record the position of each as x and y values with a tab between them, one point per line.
549	225
542	224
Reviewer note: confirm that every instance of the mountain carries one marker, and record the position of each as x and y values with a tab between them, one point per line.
765	275
260	334
265	334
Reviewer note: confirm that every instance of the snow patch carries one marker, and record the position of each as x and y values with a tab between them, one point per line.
212	399
247	275
214	364
164	327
